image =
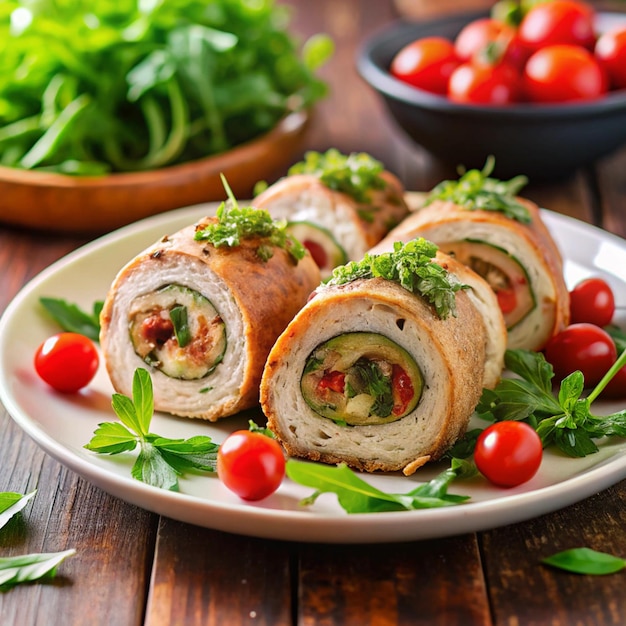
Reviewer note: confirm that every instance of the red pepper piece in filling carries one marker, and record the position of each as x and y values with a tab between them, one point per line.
402	390
157	330
507	300
317	252
335	381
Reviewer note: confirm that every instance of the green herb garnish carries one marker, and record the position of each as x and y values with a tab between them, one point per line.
377	385
411	265
235	223
476	191
586	561
180	321
72	318
161	461
355	174
357	496
12	503
565	421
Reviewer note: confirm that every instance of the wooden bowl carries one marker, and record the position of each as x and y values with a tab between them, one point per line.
94	205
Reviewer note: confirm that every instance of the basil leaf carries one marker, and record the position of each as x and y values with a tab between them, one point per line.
179	318
30	567
112	438
12	503
586	561
143	399
73	319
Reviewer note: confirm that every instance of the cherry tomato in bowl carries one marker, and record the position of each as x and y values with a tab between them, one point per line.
508	453
484	83
611	51
67	361
585	347
250	464
592	300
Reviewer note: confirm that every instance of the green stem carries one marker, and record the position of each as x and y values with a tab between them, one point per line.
621	362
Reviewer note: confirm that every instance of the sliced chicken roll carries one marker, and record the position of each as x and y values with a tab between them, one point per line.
201	316
338	206
381	372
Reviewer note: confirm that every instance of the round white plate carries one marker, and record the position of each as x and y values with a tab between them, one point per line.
63	424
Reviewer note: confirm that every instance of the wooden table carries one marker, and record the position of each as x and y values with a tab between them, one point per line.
133	567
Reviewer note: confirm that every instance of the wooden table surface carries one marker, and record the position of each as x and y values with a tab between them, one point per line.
133	567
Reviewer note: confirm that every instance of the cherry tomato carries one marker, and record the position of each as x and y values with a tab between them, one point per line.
611	51
317	252
558	22
251	464
583	347
564	73
592	301
426	63
508	453
488	36
484	83
67	361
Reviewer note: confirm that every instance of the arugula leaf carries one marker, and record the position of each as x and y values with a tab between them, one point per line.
12	503
586	561
410	265
30	567
475	190
235	223
355	174
160	460
72	318
357	496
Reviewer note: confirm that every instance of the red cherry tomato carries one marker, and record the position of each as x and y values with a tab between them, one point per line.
558	22
611	51
67	361
592	301
508	453
426	63
483	83
564	73
251	464
583	347
488	36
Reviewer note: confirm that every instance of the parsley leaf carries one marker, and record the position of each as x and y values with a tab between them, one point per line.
235	223
586	561
377	385
355	174
30	567
357	496
12	503
412	266
475	190
72	318
161	460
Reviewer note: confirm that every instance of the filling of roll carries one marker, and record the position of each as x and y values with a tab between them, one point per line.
177	330
323	247
504	273
361	378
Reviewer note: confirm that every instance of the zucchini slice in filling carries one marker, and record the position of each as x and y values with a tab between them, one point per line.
361	378
324	249
177	331
504	273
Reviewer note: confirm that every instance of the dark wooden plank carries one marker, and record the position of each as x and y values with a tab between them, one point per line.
213	578
612	183
523	591
428	582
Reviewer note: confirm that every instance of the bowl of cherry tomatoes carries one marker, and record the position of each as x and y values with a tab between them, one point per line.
541	86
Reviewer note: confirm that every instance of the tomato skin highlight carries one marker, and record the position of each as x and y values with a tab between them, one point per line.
67	361
610	50
250	464
426	63
508	453
592	300
484	83
585	347
563	73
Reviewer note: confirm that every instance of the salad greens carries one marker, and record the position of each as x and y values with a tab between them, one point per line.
161	460
475	190
411	265
99	86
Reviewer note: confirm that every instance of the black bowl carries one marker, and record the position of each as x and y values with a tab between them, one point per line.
541	141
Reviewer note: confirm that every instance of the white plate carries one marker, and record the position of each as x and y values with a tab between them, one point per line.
62	425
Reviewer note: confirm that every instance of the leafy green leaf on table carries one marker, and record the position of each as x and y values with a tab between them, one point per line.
355	495
30	567
586	561
12	503
72	318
